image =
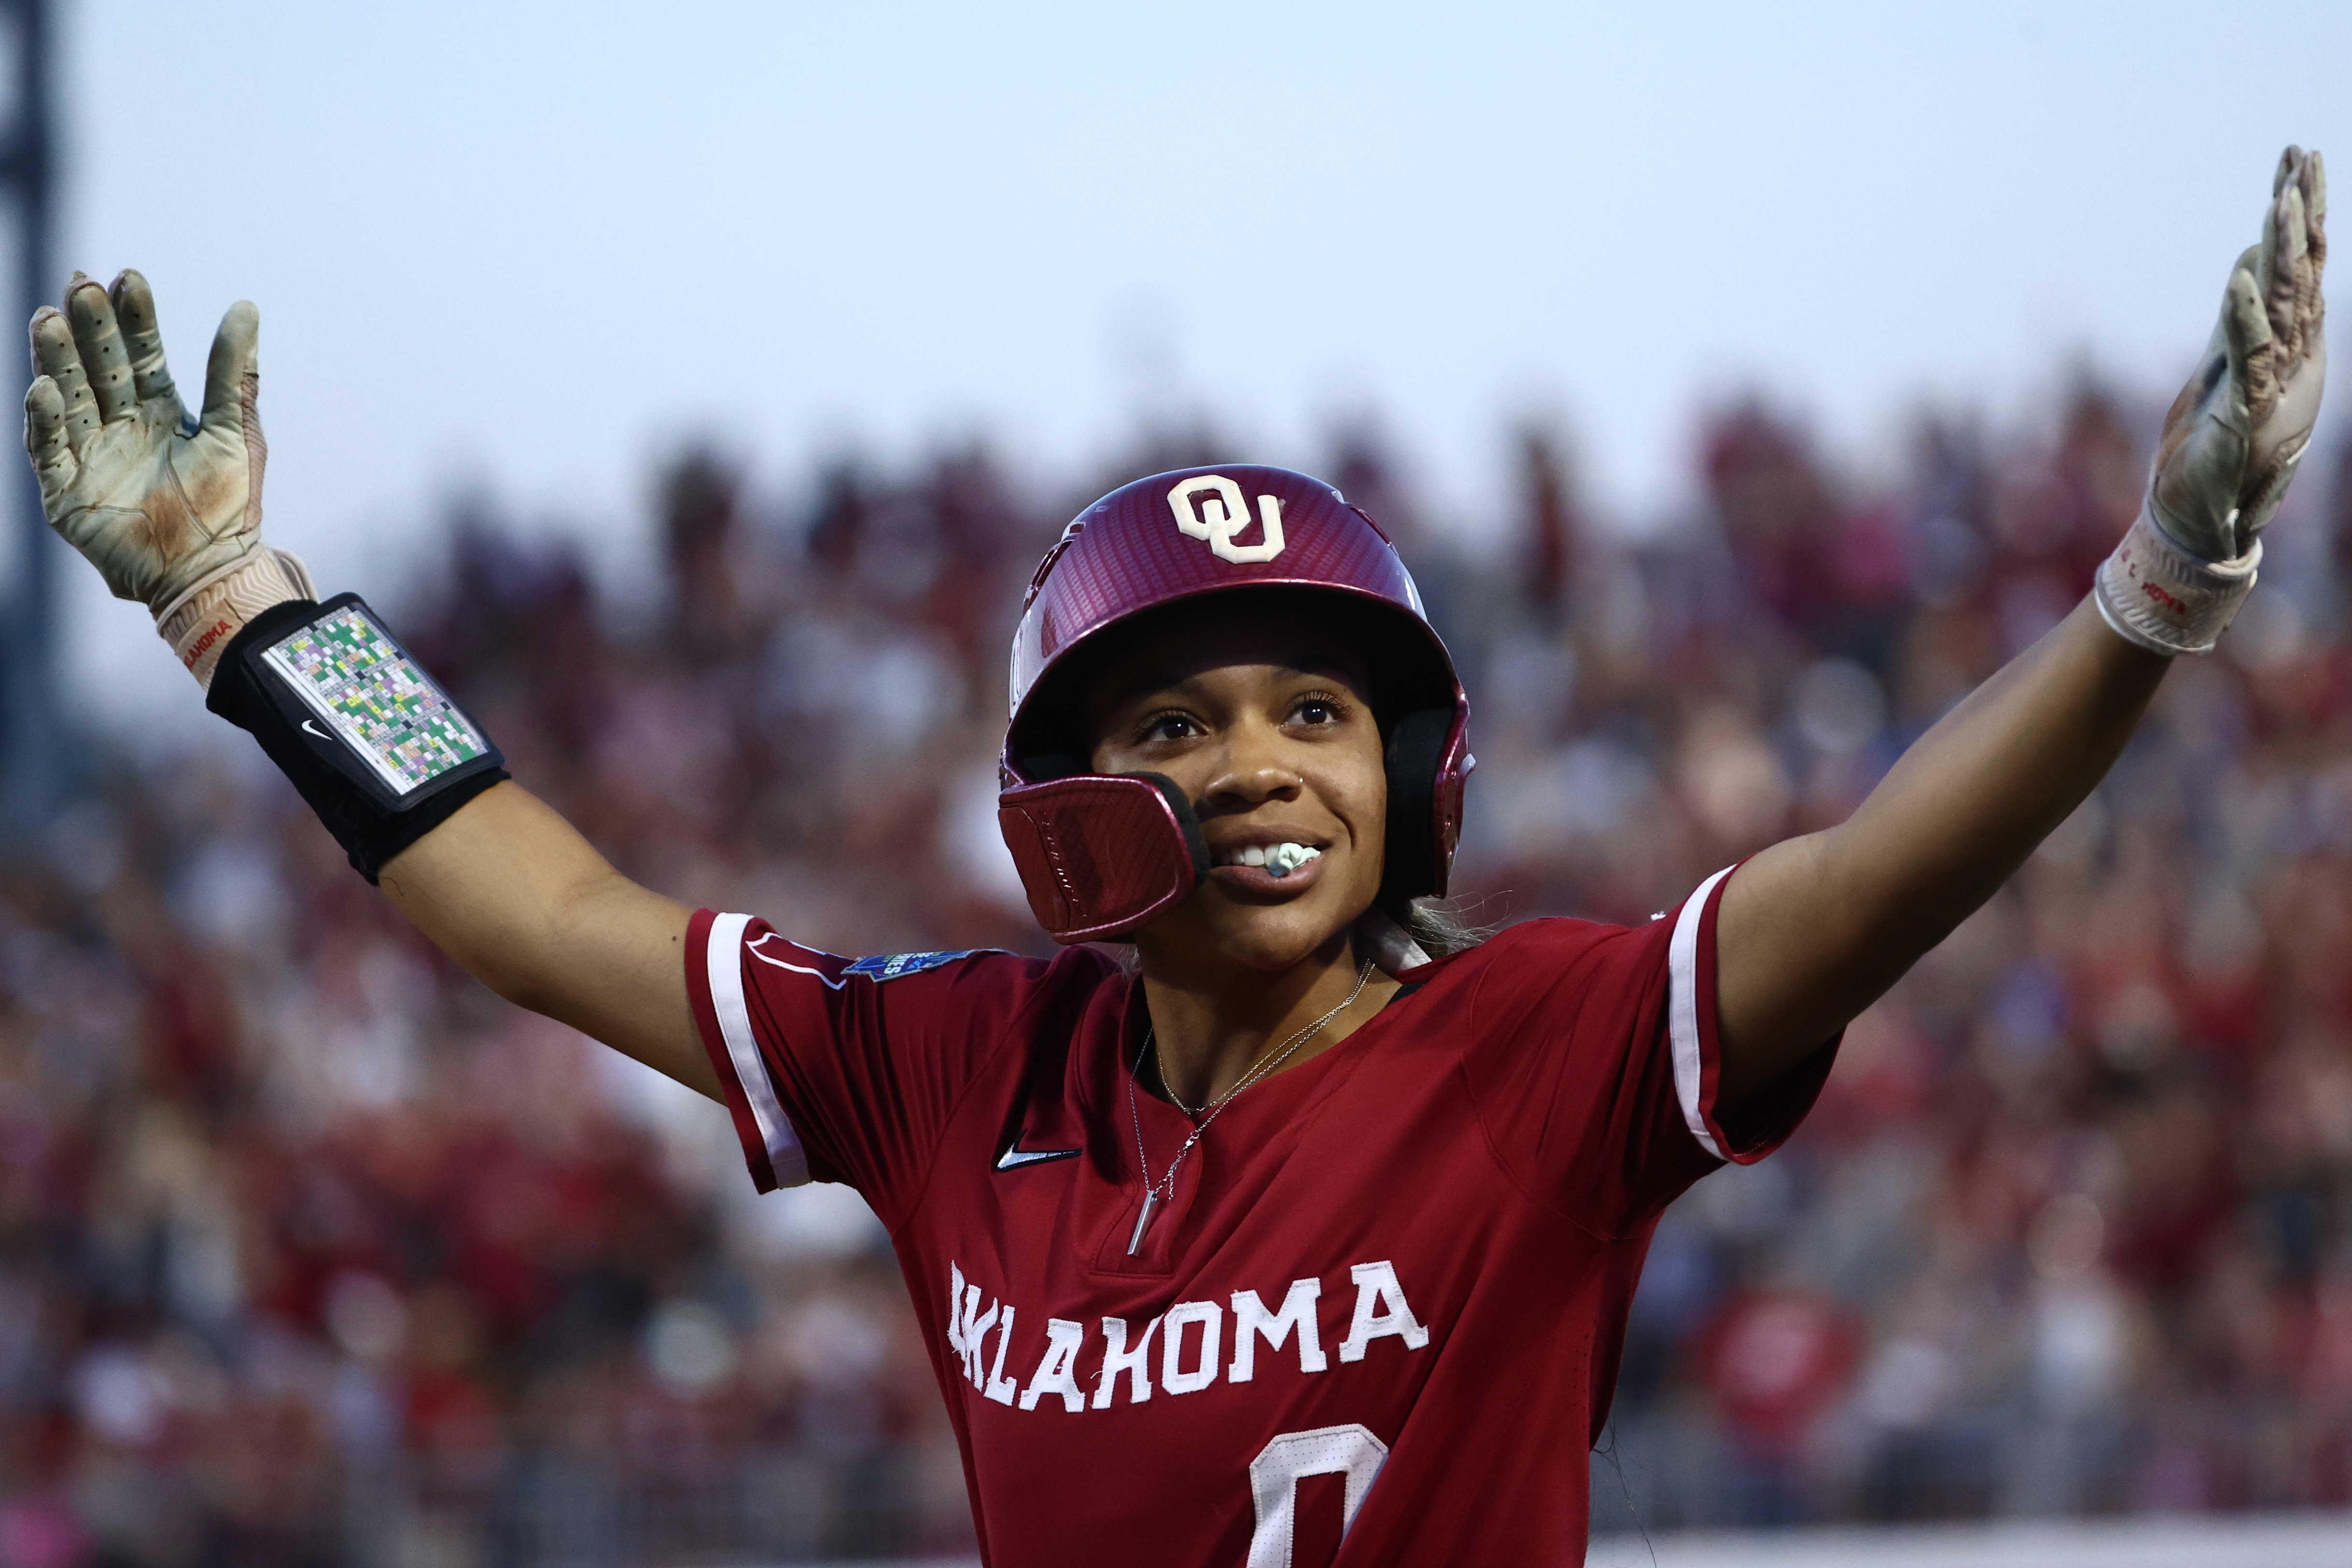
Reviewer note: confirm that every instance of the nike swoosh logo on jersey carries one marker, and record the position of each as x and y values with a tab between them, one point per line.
316	731
1015	1157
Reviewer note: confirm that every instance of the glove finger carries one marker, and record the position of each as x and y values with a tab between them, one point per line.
2312	306
2246	324
2284	242
2290	167
134	310
2315	193
99	338
2283	263
2187	417
45	437
231	375
54	356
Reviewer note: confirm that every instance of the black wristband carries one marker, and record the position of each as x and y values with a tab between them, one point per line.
367	739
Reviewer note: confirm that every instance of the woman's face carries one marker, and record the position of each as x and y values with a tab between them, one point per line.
1269	730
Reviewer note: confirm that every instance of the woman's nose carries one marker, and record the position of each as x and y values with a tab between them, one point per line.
1253	768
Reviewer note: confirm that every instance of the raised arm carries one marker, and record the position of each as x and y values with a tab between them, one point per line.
1815	929
168	508
508	889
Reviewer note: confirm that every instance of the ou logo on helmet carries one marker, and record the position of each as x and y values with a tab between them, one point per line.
1221	514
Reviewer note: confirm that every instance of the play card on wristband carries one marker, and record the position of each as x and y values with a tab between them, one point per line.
363	685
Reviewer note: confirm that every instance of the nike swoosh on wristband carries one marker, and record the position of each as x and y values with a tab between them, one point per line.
1016	1156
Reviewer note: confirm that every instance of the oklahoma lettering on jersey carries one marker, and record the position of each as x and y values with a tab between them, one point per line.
1377	1321
1194	1331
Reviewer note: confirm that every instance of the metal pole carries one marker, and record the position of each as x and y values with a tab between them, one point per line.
34	744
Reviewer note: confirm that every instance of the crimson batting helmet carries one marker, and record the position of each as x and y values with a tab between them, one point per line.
1100	854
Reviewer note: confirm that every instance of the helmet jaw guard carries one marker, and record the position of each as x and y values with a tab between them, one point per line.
1101	855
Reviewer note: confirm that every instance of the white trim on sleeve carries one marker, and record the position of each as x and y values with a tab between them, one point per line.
723	957
1682	1010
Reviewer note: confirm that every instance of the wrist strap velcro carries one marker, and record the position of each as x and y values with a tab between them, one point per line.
2155	594
370	743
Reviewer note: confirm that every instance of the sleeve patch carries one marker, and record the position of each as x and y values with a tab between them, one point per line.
884	966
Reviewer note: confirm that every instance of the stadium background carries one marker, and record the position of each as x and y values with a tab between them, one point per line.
311	1251
309	1240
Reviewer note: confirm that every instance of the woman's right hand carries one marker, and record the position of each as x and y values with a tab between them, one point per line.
155	501
166	507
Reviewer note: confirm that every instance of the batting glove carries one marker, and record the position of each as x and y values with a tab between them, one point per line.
2234	435
166	507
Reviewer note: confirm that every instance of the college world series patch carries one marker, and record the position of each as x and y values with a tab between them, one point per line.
899	966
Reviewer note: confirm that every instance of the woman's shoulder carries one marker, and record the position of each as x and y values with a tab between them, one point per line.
1541	936
1536	965
996	980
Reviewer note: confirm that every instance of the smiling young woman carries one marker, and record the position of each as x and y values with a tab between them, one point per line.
1299	1239
1261	715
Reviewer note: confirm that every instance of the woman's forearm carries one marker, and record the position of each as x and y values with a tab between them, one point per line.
510	890
1813	929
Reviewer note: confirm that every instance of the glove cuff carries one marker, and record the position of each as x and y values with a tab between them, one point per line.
2153	593
212	610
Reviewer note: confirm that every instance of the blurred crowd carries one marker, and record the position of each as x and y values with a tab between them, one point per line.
311	1250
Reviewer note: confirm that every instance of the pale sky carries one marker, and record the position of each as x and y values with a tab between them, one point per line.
529	248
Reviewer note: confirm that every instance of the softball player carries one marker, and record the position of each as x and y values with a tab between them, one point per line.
1272	1222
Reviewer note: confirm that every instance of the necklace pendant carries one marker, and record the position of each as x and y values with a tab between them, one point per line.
1150	1201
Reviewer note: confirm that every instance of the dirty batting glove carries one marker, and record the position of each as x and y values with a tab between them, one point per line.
166	507
169	511
2234	436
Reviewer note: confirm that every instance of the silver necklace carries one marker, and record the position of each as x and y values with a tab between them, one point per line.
1159	1062
1156	1193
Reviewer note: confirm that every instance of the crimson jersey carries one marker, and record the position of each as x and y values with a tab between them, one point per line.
1378	1320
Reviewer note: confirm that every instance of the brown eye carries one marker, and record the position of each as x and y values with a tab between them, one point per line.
1319	711
1168	727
